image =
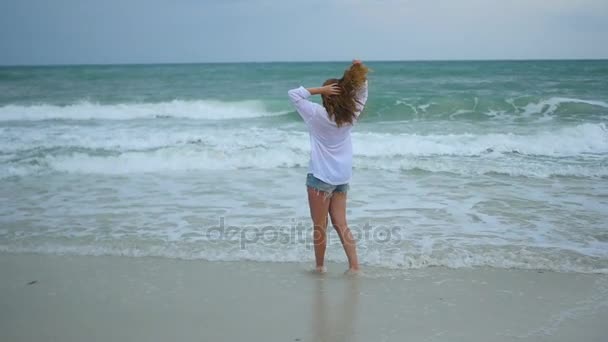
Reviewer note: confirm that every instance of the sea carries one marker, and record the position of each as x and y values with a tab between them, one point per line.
500	164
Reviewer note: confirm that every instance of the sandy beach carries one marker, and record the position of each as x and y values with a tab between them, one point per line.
85	298
167	202
162	163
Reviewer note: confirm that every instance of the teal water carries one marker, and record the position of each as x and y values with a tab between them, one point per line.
500	164
445	87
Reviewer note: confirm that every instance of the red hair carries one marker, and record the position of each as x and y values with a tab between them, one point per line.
341	108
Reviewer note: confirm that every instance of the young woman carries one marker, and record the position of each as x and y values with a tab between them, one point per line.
331	156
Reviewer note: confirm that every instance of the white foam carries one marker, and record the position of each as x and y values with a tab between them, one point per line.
137	151
426	106
197	109
589	138
568	141
167	160
549	106
456	258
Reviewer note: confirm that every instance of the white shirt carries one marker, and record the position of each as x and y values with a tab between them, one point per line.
331	150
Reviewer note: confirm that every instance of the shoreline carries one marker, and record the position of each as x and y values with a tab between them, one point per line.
101	298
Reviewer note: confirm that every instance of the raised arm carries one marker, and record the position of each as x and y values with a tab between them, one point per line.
299	98
361	95
361	99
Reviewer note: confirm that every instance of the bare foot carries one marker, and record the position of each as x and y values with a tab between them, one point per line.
320	269
353	272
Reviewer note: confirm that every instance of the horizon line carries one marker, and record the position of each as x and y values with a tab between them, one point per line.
311	61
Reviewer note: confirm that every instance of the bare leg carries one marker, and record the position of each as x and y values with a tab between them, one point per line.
319	207
337	212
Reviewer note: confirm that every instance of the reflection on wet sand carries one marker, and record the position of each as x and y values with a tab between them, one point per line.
335	309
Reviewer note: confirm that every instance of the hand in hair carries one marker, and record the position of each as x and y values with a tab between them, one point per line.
331	89
327	90
345	107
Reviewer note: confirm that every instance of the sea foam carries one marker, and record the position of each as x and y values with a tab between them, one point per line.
196	109
569	151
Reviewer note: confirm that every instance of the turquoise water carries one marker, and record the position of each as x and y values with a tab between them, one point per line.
500	164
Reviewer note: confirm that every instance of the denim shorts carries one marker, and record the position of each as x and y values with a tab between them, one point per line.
317	184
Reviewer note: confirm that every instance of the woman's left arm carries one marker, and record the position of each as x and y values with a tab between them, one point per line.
361	99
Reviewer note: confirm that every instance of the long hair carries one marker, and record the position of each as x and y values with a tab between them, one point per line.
341	108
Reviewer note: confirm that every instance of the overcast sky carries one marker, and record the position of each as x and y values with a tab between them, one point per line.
162	31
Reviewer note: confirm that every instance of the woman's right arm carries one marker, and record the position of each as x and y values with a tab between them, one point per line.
299	98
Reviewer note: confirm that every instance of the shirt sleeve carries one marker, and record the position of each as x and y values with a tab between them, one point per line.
299	99
361	99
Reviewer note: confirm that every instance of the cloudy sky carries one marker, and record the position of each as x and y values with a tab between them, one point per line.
161	31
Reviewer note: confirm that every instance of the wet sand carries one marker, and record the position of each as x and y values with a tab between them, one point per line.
86	298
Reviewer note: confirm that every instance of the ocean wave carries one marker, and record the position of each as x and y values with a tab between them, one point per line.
494	108
173	160
567	141
570	141
549	106
570	151
438	108
513	257
196	109
508	167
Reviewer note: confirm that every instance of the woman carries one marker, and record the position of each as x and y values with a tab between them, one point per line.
330	166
